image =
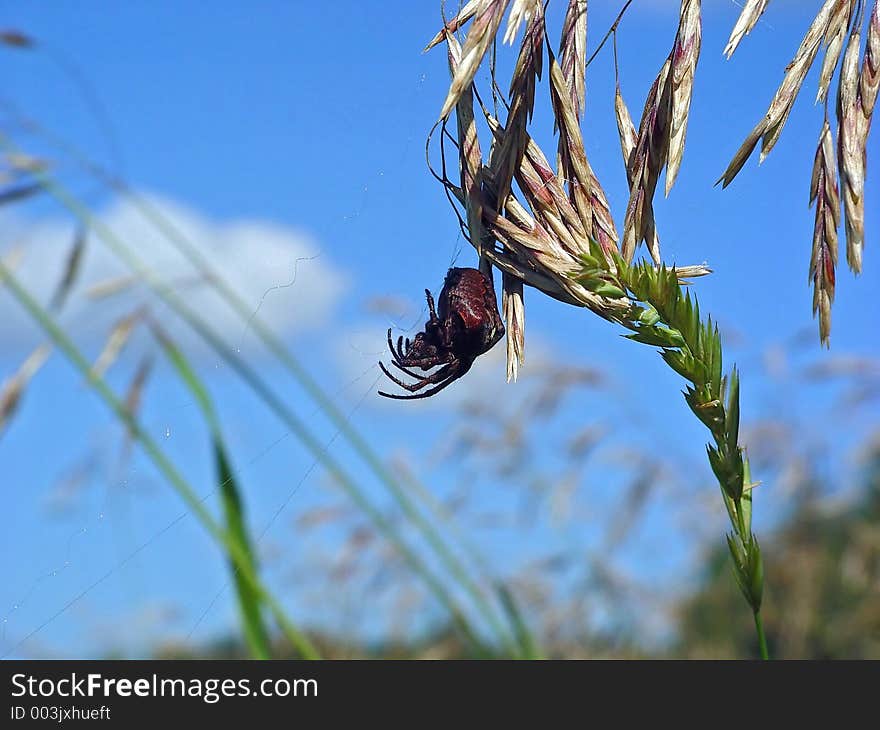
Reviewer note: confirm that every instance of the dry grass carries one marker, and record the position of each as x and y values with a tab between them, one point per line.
770	126
837	21
13	389
573	52
685	54
536	234
825	196
748	18
645	164
541	222
855	106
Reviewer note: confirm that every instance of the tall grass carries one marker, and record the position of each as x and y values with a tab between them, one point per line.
457	570
231	544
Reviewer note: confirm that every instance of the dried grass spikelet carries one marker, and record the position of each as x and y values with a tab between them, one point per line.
134	394
534	255
541	247
521	12
508	152
751	13
13	389
869	80
628	139
549	238
646	162
71	271
770	127
464	15
111	287
584	190
484	26
546	196
573	53
470	156
537	234
851	155
857	95
823	261
662	129
833	38
513	309
685	54
547	199
626	130
470	162
19	163
119	336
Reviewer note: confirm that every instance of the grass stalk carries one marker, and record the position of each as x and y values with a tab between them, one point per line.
433	536
662	314
762	640
455	567
163	464
256	636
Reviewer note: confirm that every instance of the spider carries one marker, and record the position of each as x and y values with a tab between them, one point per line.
463	327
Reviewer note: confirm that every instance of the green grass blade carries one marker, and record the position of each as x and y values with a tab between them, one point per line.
254	381
455	567
152	450
250	606
248	600
528	647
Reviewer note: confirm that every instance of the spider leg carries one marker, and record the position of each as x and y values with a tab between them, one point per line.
421	382
426	363
406	370
419	376
397	353
443	373
431	308
392	377
454	372
391	344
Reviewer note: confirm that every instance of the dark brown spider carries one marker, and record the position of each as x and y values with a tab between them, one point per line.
463	327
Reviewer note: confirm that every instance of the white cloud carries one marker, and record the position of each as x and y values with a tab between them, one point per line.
279	271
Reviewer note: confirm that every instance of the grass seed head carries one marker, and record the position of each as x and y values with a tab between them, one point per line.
834	36
521	12
13	389
647	161
514	321
685	54
538	233
869	80
628	140
484	26
573	53
823	261
770	126
853	127
751	13
464	15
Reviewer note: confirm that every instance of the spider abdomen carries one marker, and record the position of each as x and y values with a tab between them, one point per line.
465	325
469	297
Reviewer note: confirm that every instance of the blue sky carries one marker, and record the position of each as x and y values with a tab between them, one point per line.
288	140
